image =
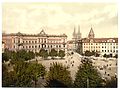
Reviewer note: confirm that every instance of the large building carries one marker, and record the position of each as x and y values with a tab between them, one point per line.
100	45
34	42
90	43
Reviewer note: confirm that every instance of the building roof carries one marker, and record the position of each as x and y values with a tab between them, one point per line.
70	41
100	40
41	34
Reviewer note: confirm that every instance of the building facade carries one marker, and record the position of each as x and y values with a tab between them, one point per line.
34	42
100	45
90	43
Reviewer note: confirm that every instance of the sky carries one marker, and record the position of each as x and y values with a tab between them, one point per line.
59	18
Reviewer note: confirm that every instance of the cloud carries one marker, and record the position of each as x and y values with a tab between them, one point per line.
59	17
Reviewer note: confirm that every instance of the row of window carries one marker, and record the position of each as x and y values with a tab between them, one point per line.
110	51
29	41
91	44
108	47
92	47
91	50
44	46
109	43
41	42
100	43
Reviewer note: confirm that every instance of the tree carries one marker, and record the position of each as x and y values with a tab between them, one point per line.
31	55
53	53
61	53
36	71
87	76
28	72
23	74
58	76
43	53
97	54
5	57
111	83
88	53
8	78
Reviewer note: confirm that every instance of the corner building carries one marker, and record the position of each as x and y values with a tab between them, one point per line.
34	42
100	45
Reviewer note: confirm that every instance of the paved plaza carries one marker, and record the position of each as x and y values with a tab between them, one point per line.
106	67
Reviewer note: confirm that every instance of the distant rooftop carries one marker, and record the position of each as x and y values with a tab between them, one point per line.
42	34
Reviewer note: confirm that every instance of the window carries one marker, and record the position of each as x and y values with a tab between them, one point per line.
35	41
102	50
14	40
108	50
26	47
45	46
116	51
39	46
23	46
102	47
51	46
35	46
18	40
32	46
105	50
59	45
29	46
32	41
29	41
23	41
113	50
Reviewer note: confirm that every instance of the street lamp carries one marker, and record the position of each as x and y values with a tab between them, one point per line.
87	82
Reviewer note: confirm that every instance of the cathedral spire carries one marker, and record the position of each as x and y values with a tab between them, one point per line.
74	33
78	29
91	33
78	34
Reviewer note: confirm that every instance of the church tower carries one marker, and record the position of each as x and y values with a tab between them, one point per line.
78	34
74	34
91	34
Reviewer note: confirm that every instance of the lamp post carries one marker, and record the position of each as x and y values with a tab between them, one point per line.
87	82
